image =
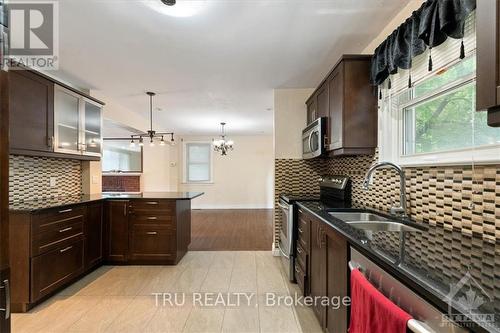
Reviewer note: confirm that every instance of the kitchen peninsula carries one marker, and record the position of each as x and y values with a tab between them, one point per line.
53	242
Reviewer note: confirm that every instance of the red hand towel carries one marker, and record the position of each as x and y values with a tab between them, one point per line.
371	311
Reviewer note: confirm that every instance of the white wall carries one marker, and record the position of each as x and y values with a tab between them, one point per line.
242	179
158	175
393	24
290	117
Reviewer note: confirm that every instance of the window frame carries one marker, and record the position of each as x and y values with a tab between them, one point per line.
392	120
185	172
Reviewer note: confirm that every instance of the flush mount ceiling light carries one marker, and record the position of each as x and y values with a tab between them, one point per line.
223	146
177	8
151	134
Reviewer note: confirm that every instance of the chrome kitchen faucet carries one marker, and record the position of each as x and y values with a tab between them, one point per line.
395	210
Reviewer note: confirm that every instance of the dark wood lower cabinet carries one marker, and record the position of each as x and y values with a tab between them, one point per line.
328	274
51	248
117	239
94	235
152	243
337	281
318	268
54	269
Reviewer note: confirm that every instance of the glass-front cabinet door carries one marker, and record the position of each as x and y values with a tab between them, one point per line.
78	124
92	128
67	121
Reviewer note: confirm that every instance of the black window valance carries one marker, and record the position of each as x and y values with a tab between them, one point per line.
429	26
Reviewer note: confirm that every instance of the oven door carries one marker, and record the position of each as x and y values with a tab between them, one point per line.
286	238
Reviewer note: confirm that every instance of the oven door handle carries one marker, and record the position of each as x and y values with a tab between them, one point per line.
284	207
283	253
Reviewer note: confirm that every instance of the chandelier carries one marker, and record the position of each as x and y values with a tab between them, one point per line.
223	146
151	134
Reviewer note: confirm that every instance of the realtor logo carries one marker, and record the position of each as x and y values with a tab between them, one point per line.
471	296
33	33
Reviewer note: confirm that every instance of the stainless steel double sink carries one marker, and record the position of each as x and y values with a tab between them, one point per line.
370	221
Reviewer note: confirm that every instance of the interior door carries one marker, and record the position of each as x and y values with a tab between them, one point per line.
4	204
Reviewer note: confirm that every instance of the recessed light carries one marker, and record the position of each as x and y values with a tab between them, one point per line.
182	8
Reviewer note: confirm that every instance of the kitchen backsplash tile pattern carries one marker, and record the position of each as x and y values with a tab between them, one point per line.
452	197
121	183
29	177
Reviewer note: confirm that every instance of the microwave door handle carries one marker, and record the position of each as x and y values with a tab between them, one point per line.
309	141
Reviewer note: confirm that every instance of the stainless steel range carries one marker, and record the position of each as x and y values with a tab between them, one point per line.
335	192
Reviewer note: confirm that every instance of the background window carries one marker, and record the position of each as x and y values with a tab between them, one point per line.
198	162
119	156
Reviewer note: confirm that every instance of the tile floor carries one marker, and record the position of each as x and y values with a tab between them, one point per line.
121	299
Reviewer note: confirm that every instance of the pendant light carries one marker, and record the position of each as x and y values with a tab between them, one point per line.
222	145
151	134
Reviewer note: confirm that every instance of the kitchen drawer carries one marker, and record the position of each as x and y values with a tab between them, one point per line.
303	231
53	269
152	218
62	232
165	206
301	257
152	243
300	277
55	218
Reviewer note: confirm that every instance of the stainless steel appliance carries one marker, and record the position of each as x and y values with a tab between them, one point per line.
314	139
335	192
427	319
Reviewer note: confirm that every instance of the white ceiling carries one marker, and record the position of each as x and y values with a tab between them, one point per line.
220	64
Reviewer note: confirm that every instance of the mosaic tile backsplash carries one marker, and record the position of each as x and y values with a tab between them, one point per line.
29	177
454	197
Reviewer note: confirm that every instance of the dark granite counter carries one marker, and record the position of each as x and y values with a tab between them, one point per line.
58	202
436	260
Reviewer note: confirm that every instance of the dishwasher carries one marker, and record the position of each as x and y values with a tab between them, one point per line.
427	319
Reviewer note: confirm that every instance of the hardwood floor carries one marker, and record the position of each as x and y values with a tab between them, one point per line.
231	230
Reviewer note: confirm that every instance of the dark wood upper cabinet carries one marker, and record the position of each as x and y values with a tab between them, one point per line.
346	97
488	59
93	235
312	113
31	100
117	245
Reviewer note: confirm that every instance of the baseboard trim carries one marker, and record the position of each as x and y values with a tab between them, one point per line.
275	250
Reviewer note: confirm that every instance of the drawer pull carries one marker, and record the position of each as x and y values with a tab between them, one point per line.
65	249
152	218
300	211
65	210
301	231
299	250
297	270
152	233
66	229
151	202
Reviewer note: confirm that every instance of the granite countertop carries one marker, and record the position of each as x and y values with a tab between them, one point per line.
435	260
56	202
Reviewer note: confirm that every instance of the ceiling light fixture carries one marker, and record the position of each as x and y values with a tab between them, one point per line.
223	146
151	134
177	8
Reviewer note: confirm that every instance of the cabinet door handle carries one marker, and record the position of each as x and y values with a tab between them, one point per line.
152	233
65	249
6	287
300	211
300	230
66	229
151	202
65	210
152	218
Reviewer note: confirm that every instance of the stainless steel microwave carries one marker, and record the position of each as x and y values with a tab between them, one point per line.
313	139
